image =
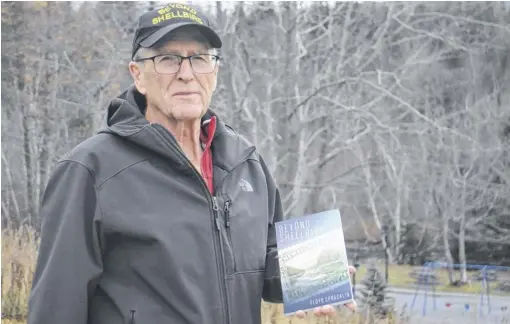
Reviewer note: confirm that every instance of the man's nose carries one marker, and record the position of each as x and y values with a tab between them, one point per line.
186	72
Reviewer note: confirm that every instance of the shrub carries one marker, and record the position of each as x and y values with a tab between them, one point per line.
19	252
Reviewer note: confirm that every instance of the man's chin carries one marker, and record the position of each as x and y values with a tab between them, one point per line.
189	112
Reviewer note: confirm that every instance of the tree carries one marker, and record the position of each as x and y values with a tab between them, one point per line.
373	294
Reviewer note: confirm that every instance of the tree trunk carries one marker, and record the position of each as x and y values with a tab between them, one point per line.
462	248
446	243
446	247
291	92
28	166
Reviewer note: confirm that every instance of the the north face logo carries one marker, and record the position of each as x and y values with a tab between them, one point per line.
245	185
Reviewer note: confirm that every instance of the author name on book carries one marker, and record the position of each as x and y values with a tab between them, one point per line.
298	230
330	299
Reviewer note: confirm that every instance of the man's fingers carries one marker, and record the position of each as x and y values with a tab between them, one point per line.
351	306
300	314
317	311
327	310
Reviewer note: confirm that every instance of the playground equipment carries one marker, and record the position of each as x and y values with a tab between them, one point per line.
427	280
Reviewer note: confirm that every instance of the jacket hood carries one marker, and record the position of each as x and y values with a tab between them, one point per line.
125	113
126	118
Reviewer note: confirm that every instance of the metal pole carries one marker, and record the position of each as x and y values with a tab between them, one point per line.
415	294
386	261
488	282
426	291
386	267
356	266
434	295
353	285
481	293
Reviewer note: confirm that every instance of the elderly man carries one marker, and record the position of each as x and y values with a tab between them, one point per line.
166	215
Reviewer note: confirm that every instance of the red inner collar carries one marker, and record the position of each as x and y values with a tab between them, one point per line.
206	136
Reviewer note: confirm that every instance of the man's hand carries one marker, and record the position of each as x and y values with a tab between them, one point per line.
328	310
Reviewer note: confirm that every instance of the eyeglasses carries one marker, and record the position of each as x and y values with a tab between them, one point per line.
171	63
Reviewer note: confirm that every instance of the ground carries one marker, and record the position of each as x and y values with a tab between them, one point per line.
398	276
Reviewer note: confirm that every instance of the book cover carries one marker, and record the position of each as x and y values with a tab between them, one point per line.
313	261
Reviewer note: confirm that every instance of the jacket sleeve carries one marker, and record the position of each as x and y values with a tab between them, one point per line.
272	291
69	259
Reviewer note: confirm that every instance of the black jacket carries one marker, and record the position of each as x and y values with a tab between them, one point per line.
131	235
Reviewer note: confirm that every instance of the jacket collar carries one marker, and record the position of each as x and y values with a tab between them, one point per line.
126	118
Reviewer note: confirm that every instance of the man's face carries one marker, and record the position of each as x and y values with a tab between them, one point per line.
183	95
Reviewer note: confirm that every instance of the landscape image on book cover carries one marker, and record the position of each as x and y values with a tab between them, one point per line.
313	261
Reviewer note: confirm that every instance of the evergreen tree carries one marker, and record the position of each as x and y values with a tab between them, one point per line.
373	294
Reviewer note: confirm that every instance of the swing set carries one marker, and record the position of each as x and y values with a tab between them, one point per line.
428	285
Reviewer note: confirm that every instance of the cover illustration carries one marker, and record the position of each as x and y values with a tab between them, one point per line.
313	261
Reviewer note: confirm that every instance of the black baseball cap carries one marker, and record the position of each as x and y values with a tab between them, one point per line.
156	24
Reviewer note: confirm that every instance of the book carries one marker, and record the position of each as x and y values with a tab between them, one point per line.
313	262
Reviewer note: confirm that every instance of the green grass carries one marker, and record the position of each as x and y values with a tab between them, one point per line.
398	276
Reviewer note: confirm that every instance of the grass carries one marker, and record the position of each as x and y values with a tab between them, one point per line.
398	276
19	252
273	314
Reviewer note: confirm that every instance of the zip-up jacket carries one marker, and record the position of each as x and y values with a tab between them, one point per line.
131	233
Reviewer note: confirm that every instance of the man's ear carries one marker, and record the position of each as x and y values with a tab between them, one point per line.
137	73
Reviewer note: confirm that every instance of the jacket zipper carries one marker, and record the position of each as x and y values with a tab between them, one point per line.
219	263
227	213
132	321
218	229
226	210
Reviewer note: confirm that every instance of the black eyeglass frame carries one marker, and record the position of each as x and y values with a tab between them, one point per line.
182	58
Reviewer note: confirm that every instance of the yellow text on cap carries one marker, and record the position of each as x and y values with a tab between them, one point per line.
176	14
176	6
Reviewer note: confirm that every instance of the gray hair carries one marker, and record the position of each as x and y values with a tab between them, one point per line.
187	33
143	52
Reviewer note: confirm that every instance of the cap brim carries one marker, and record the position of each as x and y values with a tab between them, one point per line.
210	34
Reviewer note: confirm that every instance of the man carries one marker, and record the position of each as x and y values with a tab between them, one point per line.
166	215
